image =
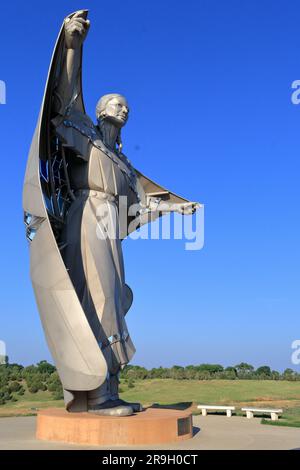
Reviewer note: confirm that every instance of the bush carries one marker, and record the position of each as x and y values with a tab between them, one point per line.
54	386
44	367
264	371
5	395
204	375
58	395
14	387
34	384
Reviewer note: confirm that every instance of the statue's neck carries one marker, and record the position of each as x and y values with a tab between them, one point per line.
109	133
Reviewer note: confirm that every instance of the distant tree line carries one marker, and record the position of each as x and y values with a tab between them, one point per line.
208	372
16	380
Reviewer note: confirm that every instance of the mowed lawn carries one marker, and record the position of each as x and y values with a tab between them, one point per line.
183	393
236	392
29	403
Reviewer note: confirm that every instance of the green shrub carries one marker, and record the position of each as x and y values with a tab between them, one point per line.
14	386
54	385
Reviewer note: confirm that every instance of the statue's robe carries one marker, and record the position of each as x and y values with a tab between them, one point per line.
77	275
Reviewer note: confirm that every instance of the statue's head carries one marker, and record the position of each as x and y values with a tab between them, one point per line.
113	108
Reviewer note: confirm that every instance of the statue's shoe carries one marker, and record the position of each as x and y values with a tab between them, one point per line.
137	407
111	408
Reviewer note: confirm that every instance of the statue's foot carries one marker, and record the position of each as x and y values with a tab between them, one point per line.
135	406
111	408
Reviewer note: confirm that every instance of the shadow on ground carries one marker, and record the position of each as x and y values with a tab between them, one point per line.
184	405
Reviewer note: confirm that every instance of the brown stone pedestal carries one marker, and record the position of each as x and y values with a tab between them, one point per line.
152	426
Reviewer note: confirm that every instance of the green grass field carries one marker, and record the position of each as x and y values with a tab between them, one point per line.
183	393
240	393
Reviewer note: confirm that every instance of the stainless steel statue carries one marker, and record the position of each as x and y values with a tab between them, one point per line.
76	177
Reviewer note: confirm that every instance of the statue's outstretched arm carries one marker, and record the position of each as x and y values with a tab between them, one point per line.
156	204
155	198
155	201
68	88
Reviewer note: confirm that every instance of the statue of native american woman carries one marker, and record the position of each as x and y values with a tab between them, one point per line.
76	180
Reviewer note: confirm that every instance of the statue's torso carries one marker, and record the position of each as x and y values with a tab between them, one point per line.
98	172
94	166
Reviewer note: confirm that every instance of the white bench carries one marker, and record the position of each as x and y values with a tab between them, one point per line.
274	412
228	409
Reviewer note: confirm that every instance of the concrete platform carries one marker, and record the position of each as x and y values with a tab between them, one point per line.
210	432
152	426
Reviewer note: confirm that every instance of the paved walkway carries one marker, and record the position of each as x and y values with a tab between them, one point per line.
211	432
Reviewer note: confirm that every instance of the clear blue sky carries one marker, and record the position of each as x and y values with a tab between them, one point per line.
209	86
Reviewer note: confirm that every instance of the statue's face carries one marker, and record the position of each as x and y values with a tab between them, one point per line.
116	111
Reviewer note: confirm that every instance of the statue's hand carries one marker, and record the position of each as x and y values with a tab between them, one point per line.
188	208
76	29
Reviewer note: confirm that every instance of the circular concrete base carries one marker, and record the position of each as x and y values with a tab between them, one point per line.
152	426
